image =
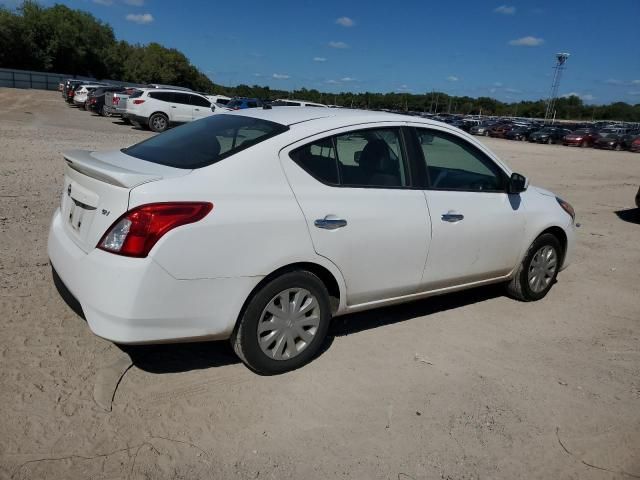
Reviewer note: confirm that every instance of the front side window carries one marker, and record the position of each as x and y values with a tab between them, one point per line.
454	164
199	101
182	98
205	142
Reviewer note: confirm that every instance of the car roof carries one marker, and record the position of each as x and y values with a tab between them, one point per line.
291	116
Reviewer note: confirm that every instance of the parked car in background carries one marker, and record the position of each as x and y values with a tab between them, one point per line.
96	99
481	129
244	226
283	102
242	103
627	140
521	132
609	141
68	85
115	104
635	145
81	93
500	130
549	135
583	137
218	99
158	109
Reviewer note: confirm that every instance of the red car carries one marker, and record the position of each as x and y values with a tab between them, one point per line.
635	146
499	131
580	138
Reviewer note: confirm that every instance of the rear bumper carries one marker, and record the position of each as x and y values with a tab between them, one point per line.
134	300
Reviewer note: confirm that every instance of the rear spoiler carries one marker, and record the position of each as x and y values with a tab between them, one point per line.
84	162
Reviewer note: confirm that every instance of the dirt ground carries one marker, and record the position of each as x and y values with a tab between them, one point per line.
466	386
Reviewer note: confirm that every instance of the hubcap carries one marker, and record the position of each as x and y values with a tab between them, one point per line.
542	268
288	323
159	123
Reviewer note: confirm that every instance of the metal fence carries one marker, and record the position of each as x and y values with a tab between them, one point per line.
29	79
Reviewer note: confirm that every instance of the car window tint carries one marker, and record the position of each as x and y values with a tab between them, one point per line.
319	160
199	101
371	158
252	104
182	98
207	141
454	164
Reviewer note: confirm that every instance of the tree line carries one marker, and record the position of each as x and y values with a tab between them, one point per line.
64	40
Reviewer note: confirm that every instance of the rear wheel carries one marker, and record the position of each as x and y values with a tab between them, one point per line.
284	324
538	271
104	112
158	122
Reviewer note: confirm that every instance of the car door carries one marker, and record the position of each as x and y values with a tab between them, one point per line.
362	212
181	110
200	107
477	228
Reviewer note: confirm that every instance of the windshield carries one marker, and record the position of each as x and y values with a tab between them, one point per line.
205	142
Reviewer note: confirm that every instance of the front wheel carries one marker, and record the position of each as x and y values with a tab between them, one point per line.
538	271
284	324
550	141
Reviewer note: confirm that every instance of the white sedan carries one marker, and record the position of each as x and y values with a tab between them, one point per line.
261	225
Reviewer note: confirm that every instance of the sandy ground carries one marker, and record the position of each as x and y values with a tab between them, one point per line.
466	386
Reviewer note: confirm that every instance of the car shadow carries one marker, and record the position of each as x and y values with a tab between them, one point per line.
180	357
631	215
185	357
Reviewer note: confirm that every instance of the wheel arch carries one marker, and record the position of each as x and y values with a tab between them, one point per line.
332	281
561	235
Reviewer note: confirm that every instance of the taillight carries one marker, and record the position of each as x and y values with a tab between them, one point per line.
116	100
136	232
138	102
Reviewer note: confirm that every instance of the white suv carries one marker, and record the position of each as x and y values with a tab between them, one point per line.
160	108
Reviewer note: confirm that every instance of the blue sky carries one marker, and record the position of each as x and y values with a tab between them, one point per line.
474	47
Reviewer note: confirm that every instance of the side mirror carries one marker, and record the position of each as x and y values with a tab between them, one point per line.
213	108
517	183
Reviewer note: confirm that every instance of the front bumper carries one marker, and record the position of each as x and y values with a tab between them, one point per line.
134	300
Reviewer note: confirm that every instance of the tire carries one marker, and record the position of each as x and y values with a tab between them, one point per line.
273	351
584	144
158	122
618	148
486	134
104	112
550	141
523	286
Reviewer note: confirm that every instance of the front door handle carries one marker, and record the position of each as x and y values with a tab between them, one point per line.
173	106
452	216
330	222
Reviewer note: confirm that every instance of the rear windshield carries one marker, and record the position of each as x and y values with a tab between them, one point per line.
205	142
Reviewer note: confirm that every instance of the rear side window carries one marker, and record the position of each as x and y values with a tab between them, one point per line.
182	98
205	142
362	158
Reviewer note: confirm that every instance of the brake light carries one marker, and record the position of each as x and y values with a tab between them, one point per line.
138	102
136	232
116	100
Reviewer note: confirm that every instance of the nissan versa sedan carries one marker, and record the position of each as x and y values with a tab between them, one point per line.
261	225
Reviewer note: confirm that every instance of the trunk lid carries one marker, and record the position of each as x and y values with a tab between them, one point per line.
97	187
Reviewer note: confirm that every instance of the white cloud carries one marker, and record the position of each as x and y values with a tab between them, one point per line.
332	82
512	90
106	3
281	76
635	82
140	18
345	22
347	79
452	78
257	75
528	41
505	10
134	3
613	81
498	84
334	44
319	59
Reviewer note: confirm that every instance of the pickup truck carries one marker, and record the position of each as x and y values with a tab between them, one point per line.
115	104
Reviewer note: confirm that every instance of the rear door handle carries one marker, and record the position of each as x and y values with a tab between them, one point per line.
330	222
173	106
452	217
